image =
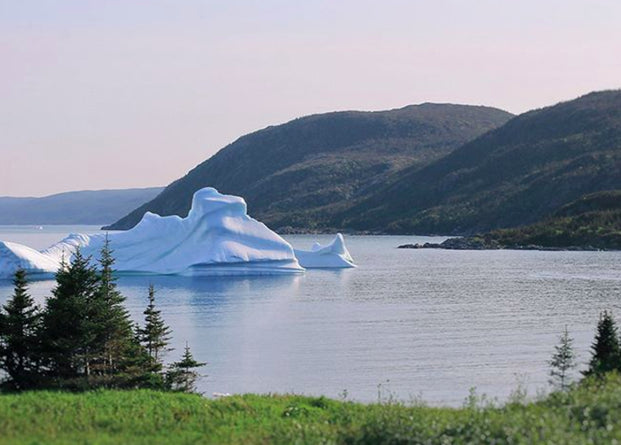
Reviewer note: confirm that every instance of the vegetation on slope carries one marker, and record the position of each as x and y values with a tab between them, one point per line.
301	173
592	222
588	413
514	175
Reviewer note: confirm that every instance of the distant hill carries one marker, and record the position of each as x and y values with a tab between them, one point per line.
302	173
514	175
83	207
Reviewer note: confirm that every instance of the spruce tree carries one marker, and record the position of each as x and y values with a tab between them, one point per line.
605	351
563	360
139	369
19	325
68	336
156	334
111	322
181	375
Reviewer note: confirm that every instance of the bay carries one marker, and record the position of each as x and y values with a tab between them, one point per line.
405	323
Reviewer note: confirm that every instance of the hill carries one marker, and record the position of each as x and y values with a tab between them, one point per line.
302	173
588	413
592	222
514	175
83	207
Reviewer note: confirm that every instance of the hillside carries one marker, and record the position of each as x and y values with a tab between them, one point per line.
83	207
303	172
588	413
514	175
593	221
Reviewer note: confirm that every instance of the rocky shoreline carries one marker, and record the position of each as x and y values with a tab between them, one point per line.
476	243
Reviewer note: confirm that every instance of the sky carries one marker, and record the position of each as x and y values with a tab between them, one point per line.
99	94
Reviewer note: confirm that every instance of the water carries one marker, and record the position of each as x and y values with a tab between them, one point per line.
428	323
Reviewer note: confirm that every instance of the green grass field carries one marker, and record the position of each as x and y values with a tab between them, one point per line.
590	413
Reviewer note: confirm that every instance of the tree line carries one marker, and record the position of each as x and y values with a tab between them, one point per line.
83	337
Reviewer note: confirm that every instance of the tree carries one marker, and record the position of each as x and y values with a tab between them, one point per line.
68	336
156	334
19	325
181	375
605	351
563	360
110	320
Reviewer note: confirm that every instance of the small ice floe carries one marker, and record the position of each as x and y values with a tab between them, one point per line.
332	256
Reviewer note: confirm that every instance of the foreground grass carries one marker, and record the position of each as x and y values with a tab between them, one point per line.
590	413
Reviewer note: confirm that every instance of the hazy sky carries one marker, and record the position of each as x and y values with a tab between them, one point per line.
133	93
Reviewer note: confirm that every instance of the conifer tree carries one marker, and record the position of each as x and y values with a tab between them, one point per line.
563	360
156	334
111	322
19	325
68	336
181	375
605	351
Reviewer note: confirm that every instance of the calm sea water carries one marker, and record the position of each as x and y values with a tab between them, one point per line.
414	323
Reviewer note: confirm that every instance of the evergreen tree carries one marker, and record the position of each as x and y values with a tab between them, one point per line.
68	335
606	355
111	322
139	369
181	375
563	360
19	325
156	334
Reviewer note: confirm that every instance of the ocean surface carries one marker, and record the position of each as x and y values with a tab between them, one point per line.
406	324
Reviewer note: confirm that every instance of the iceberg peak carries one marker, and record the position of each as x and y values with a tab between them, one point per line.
332	256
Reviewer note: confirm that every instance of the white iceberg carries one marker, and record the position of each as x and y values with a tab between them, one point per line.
216	238
332	256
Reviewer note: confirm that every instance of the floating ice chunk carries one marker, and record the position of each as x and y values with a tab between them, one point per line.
216	238
15	256
333	256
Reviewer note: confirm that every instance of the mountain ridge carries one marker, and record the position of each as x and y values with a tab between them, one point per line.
299	173
513	175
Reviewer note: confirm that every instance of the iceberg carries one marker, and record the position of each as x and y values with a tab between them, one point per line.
332	256
216	238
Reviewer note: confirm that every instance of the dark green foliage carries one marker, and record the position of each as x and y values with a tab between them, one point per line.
155	335
112	324
181	376
562	362
593	221
514	175
303	172
19	342
118	358
69	330
84	337
605	349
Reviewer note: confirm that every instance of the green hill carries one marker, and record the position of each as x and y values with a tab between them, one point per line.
304	172
514	175
593	221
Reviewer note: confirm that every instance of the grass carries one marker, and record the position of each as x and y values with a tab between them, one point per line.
589	413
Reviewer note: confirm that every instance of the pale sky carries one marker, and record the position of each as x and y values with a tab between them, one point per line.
134	93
